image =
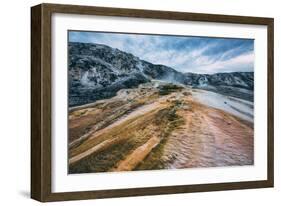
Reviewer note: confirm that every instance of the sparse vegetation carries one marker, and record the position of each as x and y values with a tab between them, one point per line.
167	120
169	88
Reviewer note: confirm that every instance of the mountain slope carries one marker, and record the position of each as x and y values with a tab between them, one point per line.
99	72
236	84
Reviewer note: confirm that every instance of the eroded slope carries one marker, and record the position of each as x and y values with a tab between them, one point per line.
155	126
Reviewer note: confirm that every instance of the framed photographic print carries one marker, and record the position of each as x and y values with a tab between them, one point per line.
130	102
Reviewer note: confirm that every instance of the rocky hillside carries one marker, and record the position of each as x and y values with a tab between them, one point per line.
99	71
236	84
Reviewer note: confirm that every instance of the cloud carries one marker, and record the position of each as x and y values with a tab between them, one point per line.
186	54
243	62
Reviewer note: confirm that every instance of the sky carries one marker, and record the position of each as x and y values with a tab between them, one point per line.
184	53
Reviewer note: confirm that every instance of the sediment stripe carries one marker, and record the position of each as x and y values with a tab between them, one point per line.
98	148
137	155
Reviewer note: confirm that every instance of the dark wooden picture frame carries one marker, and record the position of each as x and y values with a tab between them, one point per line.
41	101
